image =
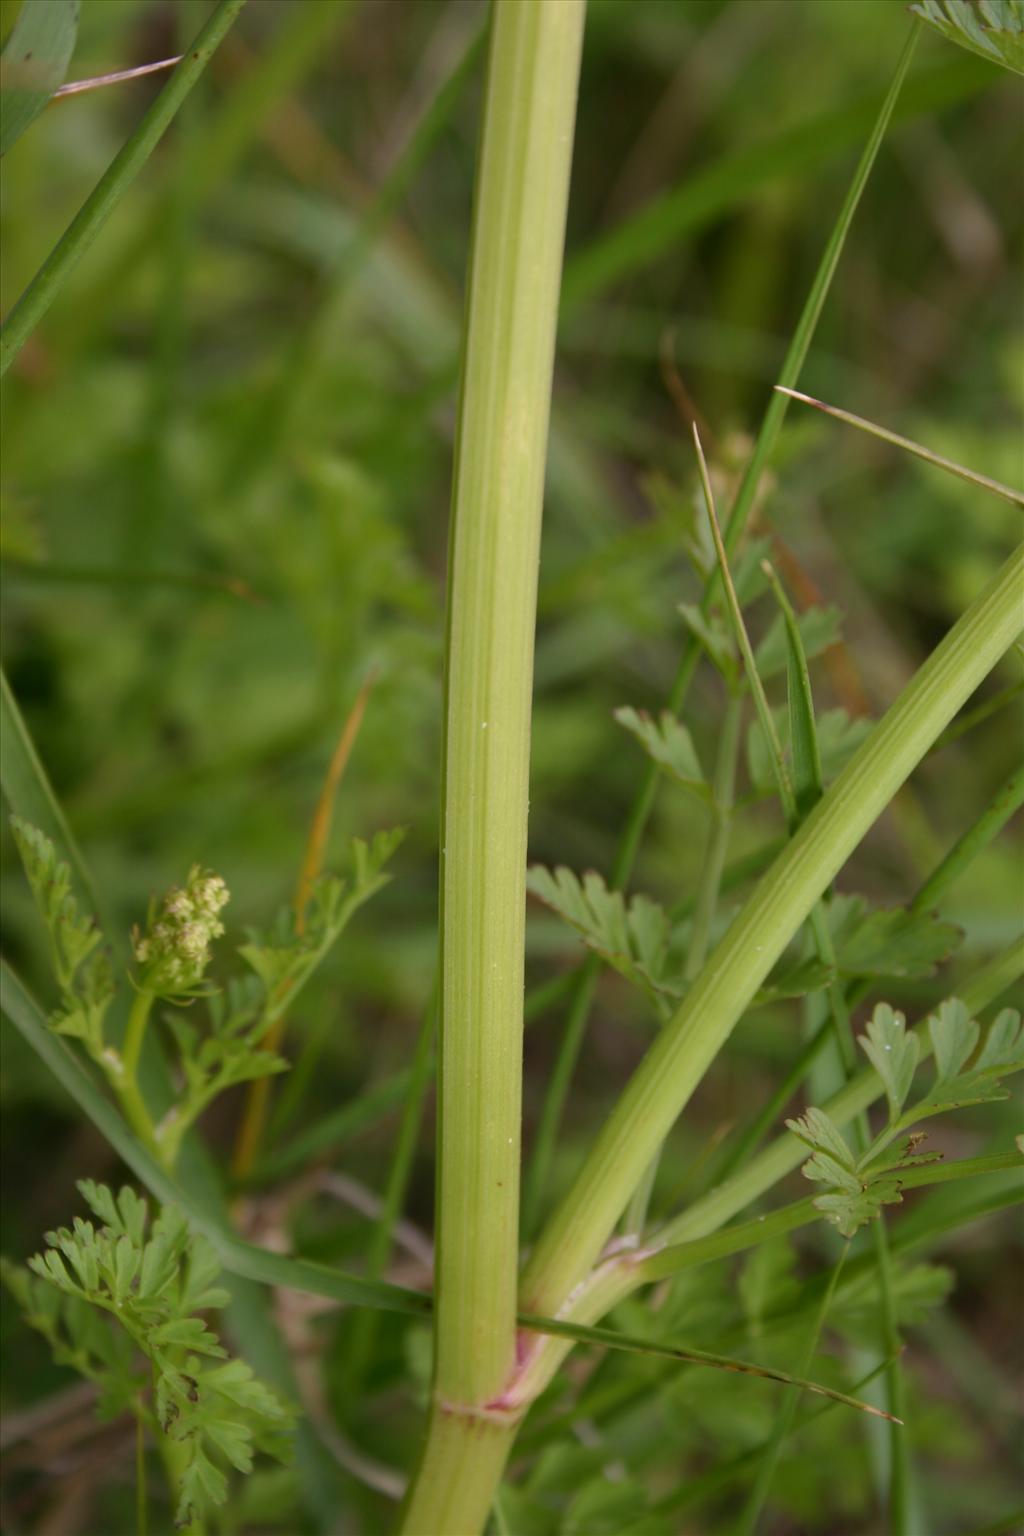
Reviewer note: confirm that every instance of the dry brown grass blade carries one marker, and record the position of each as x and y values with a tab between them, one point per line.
250	1132
97	82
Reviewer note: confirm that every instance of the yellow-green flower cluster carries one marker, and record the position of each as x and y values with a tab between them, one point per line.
175	950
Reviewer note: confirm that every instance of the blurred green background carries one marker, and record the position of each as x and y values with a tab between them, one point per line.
226	472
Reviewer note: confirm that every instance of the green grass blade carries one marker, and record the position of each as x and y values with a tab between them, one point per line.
783	780
768	1462
34	63
678	1257
238	1257
304	361
983	482
662	223
112	186
610	1338
808	784
1005	802
360	1345
360	1114
29	794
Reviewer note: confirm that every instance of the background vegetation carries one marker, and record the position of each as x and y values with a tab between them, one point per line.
226	475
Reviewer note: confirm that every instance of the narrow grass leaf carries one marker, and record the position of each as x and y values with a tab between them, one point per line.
660	224
949	465
29	794
112	186
34	63
609	1338
818	628
808	781
742	639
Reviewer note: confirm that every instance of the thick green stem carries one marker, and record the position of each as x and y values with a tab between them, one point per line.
782	1155
460	1469
676	1062
515	272
977	837
723	788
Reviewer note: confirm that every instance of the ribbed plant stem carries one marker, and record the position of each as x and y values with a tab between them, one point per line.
677	1061
464	1457
501	445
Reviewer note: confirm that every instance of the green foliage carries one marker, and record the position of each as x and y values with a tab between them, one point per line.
669	744
838	734
715	640
81	966
228	457
638	939
646	946
119	1301
858	1187
172	956
867	942
893	1053
285	956
817	628
808	778
210	1062
994	29
34	63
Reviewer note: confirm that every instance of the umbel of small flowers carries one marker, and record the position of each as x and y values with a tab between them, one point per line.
175	949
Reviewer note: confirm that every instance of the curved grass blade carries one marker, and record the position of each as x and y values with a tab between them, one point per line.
970	475
29	795
112	186
34	63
